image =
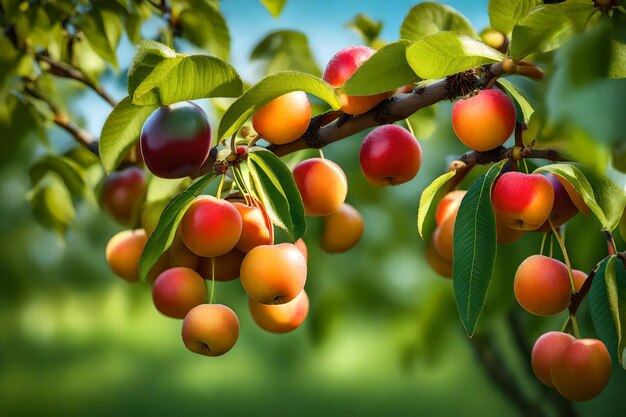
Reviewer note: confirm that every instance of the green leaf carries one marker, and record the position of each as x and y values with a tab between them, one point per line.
429	18
386	70
548	26
603	197
203	24
69	171
285	50
504	14
52	204
616	295
162	237
121	131
366	27
189	78
474	249
275	7
446	53
269	88
149	54
278	183
426	199
523	91
103	29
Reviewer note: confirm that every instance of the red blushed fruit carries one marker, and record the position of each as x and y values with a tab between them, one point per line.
563	208
210	329
449	205
123	193
256	227
210	227
322	185
283	119
177	290
542	285
523	201
124	251
280	318
341	67
582	370
484	121
579	279
545	352
342	230
390	155
176	140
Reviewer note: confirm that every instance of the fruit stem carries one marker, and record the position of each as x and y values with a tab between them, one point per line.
409	127
321	153
219	189
543	242
564	251
212	280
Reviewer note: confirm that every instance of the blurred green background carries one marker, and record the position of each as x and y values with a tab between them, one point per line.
382	336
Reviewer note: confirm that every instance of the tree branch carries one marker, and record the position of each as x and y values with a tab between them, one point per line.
66	71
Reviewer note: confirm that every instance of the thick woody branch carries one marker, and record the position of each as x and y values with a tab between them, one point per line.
66	71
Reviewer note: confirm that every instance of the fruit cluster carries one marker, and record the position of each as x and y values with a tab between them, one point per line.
543	286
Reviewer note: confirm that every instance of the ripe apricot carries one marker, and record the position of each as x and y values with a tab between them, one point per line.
522	201
574	195
390	155
449	205
342	229
210	329
341	67
226	267
210	227
579	278
542	285
281	318
437	262
273	274
123	193
443	238
283	119
322	185
124	251
177	290
582	370
181	255
545	352
505	234
301	245
256	227
484	121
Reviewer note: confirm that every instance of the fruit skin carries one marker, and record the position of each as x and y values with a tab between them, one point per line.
484	121
301	245
280	318
582	370
210	227
123	252
576	198
390	155
563	208
176	140
542	285
210	329
123	193
522	201
255	227
449	205
322	185
283	119
437	262
579	279
342	230
443	238
273	274
341	67
177	290
545	352
227	266
506	235
180	255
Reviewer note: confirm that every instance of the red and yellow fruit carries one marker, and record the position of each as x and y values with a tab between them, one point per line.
547	349
280	318
542	285
273	274
484	121
390	155
283	119
124	251
563	208
322	185
123	193
437	262
256	227
210	329
226	267
177	290
342	230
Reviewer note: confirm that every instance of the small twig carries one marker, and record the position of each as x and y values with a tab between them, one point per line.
66	71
